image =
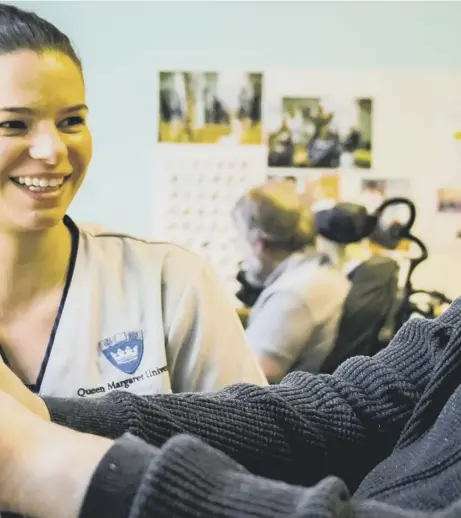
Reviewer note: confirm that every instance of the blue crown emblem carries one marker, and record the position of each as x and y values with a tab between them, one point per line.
124	350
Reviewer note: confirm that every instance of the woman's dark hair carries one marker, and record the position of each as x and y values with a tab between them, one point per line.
25	30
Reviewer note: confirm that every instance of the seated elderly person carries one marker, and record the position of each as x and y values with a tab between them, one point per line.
294	322
369	308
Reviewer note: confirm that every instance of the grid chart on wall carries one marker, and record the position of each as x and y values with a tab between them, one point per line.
198	188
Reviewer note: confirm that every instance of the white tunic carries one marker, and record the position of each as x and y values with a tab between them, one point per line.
142	316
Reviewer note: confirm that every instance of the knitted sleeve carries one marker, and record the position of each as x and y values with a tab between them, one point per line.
298	431
188	479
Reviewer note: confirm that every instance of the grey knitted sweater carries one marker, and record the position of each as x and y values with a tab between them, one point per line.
379	438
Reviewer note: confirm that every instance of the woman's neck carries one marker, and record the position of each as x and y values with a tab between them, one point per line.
32	265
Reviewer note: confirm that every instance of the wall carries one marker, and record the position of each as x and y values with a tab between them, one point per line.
123	45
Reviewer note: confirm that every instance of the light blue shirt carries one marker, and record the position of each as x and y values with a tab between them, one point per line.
296	318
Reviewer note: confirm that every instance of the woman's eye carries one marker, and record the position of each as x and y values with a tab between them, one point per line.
72	121
13	125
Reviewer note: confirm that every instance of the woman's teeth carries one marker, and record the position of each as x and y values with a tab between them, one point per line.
39	184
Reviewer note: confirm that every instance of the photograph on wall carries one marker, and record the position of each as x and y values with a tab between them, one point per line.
282	178
443	230
289	180
323	132
321	187
210	107
449	200
374	192
312	188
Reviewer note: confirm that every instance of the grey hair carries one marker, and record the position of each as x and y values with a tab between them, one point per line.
275	214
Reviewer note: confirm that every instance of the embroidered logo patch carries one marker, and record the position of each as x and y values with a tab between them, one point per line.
124	350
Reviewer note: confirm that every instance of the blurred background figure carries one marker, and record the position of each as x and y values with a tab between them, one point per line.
281	147
293	323
324	150
350	145
173	107
370	305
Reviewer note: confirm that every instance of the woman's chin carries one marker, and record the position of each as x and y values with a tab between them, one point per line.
39	221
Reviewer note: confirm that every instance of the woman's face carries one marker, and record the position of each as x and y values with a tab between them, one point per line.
45	144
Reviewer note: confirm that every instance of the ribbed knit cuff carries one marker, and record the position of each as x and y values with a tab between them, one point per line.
108	416
117	479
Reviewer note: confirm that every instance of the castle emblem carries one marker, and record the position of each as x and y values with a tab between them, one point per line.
124	350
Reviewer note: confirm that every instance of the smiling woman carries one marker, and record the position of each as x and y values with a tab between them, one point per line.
44	137
82	309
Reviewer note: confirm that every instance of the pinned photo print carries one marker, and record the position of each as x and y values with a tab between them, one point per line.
323	132
449	200
210	107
